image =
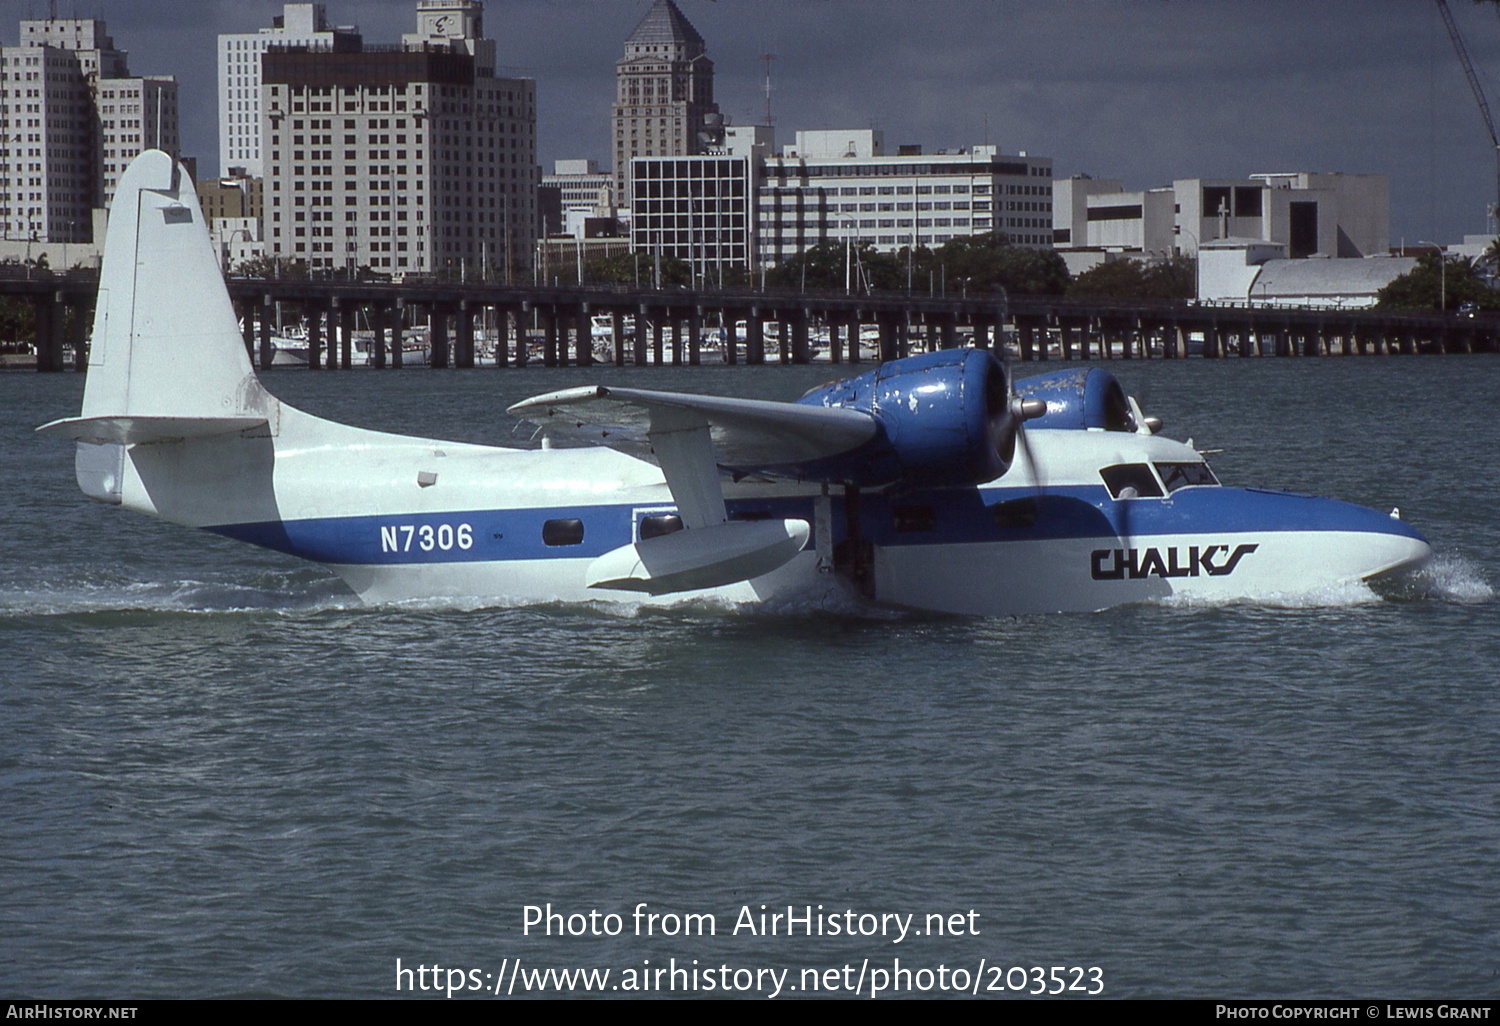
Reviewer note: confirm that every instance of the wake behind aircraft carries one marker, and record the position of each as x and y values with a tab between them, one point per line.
930	483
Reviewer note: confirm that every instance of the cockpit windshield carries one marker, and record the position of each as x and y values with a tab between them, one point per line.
1181	475
1131	481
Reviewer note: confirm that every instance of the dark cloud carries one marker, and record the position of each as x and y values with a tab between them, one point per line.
1140	90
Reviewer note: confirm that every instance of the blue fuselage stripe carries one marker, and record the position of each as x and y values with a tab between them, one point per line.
940	516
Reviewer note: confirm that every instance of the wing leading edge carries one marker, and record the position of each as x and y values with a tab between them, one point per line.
747	432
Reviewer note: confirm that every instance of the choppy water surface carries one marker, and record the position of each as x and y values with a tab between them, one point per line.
223	776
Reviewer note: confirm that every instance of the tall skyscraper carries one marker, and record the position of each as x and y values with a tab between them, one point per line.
664	93
135	114
405	159
239	77
71	119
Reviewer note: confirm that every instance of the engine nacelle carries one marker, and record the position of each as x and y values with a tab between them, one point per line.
945	419
1079	398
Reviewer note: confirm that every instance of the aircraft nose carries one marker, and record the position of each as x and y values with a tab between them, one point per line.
1400	553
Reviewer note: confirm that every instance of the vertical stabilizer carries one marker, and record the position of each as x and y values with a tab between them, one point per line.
166	342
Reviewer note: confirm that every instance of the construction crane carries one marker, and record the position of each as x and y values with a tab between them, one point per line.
1492	210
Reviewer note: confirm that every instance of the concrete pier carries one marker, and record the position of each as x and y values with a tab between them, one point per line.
1040	327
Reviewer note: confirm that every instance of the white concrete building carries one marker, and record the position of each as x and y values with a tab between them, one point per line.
404	159
833	185
1325	214
71	118
1070	200
574	188
237	240
1256	272
1110	220
239	77
1474	247
1343	283
1333	215
1228	267
755	141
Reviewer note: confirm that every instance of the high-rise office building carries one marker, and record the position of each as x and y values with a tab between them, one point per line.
701	209
405	159
239	77
135	114
744	206
664	94
841	184
71	119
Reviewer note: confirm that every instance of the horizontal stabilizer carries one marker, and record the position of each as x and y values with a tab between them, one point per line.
132	430
746	432
703	557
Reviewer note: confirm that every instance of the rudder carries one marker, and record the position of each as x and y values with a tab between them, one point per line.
166	342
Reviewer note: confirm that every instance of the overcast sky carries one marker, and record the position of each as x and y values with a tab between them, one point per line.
1139	90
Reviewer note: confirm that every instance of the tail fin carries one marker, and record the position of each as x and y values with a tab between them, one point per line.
166	342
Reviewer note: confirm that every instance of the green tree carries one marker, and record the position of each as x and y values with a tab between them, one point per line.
1117	279
1438	282
975	264
1173	278
1132	279
17	320
984	263
629	269
823	267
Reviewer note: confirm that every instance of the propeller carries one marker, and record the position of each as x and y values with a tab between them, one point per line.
1024	410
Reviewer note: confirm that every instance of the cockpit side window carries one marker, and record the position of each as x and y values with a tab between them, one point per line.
1131	481
1181	475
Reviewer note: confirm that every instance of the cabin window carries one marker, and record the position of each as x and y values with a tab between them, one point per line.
913	518
1014	514
562	532
1131	481
1181	475
658	524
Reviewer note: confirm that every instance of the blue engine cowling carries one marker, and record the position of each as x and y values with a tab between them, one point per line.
1079	398
945	419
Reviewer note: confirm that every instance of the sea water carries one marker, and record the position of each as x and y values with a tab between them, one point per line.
223	776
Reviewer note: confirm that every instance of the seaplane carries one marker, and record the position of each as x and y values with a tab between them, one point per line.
933	483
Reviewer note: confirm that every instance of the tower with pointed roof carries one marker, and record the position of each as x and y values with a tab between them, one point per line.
664	93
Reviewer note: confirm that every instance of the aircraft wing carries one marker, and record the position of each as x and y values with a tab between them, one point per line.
684	431
746	432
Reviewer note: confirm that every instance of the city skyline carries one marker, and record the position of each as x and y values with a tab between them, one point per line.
1136	91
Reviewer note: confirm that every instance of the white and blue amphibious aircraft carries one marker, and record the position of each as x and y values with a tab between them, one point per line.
914	485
